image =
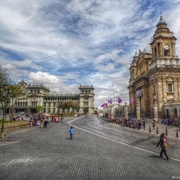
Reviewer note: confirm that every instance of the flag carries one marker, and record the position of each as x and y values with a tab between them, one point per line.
102	105
132	100
110	101
119	100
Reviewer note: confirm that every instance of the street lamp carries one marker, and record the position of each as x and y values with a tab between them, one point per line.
4	91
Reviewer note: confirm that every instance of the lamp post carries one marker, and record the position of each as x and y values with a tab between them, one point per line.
4	100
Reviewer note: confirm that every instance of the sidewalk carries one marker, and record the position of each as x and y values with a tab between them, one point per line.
171	130
162	128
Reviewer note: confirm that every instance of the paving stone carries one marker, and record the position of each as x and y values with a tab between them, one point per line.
40	153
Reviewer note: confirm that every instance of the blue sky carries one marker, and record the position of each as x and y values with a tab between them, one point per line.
64	43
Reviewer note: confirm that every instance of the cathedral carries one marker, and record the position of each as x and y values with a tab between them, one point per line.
154	85
39	96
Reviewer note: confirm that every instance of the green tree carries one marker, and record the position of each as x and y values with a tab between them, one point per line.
76	105
5	81
14	92
4	76
39	109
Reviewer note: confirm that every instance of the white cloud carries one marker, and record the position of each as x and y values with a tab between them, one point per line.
54	83
64	44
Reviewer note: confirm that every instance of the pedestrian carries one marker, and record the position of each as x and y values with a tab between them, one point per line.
62	118
41	122
163	143
144	124
45	122
154	123
71	132
138	125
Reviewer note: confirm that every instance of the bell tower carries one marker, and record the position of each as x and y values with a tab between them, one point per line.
86	99
163	46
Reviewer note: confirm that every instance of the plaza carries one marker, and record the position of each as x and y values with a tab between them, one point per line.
99	150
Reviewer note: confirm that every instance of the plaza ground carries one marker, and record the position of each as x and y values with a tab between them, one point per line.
99	150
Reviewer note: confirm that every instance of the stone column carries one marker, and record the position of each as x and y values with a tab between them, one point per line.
112	112
126	111
138	111
155	110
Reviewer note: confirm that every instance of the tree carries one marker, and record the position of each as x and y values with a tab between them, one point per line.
39	108
4	92
76	105
15	92
4	76
68	105
12	91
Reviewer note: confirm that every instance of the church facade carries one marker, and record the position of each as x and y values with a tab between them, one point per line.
154	84
39	96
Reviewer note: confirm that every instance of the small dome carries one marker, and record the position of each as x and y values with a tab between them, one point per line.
161	21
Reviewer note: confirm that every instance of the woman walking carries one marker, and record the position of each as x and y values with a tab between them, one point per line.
163	143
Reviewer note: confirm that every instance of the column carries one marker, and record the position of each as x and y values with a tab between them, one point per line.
126	111
138	111
155	110
112	112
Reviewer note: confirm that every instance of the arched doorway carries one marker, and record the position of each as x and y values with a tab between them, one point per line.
167	113
175	112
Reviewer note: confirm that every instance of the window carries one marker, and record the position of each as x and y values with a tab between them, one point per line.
155	51
166	52
169	87
85	104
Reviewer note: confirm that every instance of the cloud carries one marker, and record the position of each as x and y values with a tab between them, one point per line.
67	43
55	83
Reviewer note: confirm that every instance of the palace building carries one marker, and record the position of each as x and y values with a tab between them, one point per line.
39	96
154	85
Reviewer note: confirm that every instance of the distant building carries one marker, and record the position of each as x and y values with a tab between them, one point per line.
155	77
40	96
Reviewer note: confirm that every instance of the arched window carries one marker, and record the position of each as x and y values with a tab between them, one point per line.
159	50
155	51
166	52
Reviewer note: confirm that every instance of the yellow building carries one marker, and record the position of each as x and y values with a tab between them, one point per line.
40	96
154	83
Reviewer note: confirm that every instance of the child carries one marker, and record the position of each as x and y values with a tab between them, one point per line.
71	132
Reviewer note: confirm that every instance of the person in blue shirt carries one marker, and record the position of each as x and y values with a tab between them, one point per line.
71	132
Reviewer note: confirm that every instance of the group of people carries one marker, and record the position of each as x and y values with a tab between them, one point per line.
171	122
39	120
131	123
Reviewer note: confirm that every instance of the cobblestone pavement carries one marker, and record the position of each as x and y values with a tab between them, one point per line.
99	150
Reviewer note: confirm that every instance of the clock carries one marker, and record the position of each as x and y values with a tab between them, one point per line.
166	47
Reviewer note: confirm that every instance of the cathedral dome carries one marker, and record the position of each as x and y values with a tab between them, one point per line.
161	22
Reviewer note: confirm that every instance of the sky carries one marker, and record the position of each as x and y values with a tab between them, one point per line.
63	44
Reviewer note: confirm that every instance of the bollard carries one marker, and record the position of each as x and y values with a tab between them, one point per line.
149	128
166	131
157	130
177	133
